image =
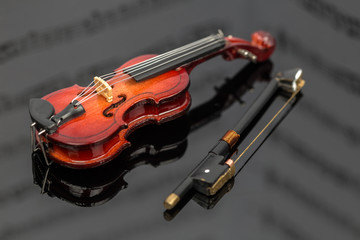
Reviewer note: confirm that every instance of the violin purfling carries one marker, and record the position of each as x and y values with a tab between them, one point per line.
84	127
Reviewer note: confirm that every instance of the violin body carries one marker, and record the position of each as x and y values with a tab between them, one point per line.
99	133
98	136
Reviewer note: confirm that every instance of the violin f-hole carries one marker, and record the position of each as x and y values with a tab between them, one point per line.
107	112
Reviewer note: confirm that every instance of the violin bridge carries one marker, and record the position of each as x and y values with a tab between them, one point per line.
103	89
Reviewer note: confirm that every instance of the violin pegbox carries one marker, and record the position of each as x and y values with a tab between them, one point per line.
260	48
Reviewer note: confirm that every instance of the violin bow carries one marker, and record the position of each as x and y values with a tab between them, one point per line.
216	169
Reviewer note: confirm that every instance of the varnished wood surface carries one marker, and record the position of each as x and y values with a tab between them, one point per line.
93	138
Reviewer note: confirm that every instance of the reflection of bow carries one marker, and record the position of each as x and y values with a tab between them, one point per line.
150	145
217	168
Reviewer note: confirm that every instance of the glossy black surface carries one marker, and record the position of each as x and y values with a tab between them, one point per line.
303	183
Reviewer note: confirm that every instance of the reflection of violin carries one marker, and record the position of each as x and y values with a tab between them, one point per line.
85	127
150	145
91	187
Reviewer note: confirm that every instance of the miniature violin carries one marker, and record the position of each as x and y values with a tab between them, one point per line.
83	127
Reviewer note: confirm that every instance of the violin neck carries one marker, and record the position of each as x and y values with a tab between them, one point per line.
171	60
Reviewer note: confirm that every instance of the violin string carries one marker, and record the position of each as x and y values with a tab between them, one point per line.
83	92
161	56
150	61
187	53
156	59
92	94
172	59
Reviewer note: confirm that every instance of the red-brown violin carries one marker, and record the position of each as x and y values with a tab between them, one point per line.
83	127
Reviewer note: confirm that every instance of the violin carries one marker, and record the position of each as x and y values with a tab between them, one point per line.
84	127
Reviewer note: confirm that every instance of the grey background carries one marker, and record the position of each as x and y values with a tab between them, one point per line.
304	181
